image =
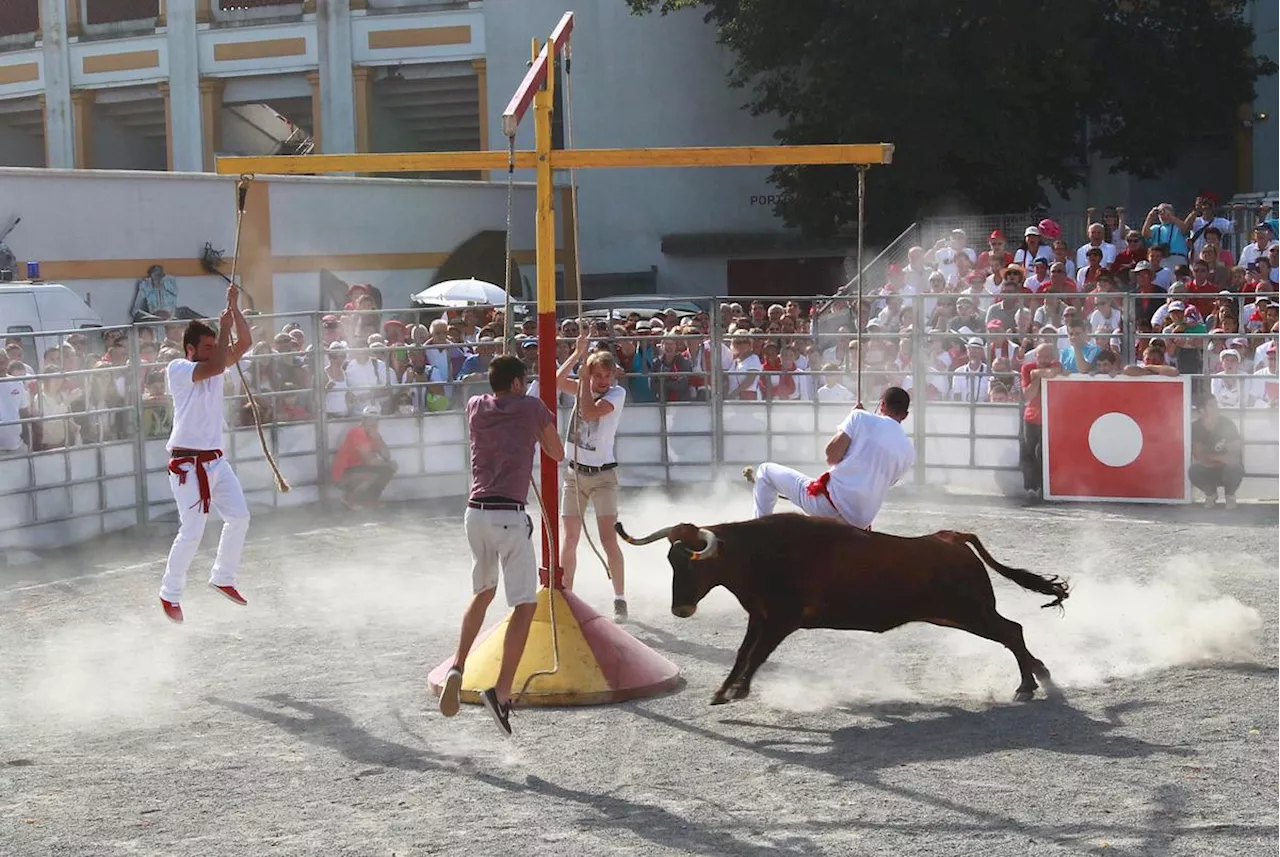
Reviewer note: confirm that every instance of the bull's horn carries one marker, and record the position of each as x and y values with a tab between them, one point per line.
652	537
712	545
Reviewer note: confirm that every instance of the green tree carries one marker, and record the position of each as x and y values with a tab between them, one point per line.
985	100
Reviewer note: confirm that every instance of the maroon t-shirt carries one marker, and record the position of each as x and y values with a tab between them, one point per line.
504	431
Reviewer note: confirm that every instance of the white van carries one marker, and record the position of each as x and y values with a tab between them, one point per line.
27	309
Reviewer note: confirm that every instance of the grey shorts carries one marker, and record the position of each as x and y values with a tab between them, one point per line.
502	539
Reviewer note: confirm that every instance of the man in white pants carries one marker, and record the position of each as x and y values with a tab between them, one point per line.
503	426
869	454
198	474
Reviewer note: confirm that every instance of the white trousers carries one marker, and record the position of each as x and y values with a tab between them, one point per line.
228	501
774	480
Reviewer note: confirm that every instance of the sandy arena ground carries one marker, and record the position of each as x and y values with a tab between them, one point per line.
302	725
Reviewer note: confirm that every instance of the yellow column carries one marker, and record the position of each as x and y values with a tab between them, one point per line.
313	78
202	11
545	225
160	15
82	123
362	80
163	87
569	254
73	18
357	5
308	6
211	118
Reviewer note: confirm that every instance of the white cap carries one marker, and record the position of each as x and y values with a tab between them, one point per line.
371	411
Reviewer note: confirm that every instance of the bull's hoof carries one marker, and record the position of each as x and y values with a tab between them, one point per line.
1024	695
719	698
740	692
749	474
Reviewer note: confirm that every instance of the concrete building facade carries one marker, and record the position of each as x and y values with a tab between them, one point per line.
172	84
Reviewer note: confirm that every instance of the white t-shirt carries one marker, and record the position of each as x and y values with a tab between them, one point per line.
1221	223
1232	392
1250	254
1027	260
834	393
1109	323
197	407
749	364
879	456
364	378
1082	260
970	383
946	259
592	440
13	398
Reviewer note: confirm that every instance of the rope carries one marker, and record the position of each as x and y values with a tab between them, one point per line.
242	194
551	602
577	279
862	195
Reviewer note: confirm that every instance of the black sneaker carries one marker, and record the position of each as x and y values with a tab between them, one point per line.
620	610
501	713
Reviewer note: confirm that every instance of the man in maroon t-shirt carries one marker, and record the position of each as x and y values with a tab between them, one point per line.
504	426
1043	365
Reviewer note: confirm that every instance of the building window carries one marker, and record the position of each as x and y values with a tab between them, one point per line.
18	17
236	5
113	11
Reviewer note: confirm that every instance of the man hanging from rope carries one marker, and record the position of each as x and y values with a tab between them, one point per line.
503	426
198	474
591	476
865	457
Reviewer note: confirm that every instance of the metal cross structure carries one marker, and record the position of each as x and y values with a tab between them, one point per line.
536	90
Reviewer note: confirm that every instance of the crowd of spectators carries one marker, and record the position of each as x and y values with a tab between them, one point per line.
966	323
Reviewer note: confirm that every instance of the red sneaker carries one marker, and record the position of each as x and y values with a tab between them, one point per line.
230	592
172	611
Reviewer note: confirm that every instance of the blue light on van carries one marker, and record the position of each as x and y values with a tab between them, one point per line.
33	270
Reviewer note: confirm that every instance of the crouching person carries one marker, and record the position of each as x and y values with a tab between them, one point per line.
363	466
1216	459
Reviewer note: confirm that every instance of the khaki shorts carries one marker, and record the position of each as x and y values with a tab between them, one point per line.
599	490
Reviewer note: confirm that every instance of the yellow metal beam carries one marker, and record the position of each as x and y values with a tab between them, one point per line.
562	159
724	156
386	162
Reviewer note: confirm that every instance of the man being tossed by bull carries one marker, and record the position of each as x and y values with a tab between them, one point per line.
865	457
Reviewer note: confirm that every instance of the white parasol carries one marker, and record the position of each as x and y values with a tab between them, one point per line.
458	293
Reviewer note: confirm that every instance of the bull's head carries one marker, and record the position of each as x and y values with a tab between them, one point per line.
692	576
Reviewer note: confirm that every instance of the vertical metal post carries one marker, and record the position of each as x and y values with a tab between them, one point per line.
320	379
545	231
140	442
919	354
1129	339
715	384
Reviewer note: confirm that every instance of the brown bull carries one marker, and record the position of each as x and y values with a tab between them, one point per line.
794	571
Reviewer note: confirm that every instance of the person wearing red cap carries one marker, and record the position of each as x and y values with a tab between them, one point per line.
996	257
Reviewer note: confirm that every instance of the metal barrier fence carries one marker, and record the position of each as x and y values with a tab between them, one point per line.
101	465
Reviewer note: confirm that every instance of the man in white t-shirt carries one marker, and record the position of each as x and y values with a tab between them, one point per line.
743	381
15	403
1097	238
868	454
591	474
198	474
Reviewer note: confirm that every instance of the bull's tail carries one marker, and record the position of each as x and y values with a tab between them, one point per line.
1044	584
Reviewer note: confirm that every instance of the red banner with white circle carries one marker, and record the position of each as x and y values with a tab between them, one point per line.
1117	439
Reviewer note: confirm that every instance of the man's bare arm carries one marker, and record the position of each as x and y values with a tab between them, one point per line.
837	448
549	438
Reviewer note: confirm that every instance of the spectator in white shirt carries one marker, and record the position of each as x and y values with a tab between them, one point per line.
1039	275
1164	276
1262	241
945	257
1033	247
1097	238
1062	253
832	390
1205	217
1232	391
366	378
744	377
971	380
